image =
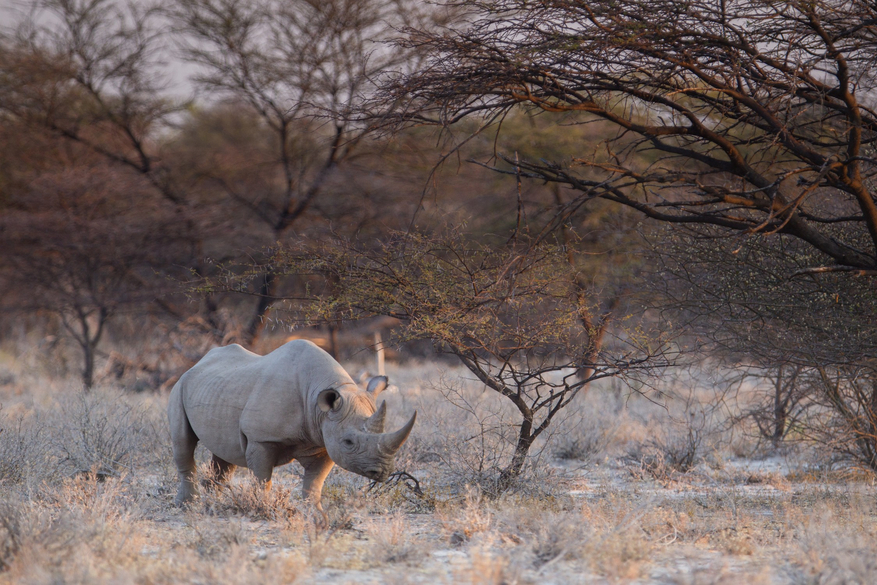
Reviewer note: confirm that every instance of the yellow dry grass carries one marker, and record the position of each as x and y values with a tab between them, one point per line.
591	520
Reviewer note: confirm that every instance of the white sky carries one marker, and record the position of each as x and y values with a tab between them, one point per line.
11	11
177	72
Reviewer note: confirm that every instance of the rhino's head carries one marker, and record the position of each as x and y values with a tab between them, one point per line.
353	430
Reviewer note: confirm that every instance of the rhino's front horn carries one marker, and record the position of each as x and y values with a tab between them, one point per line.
392	441
375	423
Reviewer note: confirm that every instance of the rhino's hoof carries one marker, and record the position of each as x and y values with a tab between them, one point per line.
185	499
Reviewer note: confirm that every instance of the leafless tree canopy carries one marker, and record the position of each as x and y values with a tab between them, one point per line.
89	80
751	115
302	67
299	66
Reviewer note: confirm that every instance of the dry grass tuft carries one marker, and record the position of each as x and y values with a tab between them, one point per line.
550	536
250	499
720	575
616	544
838	545
68	532
463	523
215	539
486	567
393	538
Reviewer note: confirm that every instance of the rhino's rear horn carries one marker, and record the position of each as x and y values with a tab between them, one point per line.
392	441
375	423
377	385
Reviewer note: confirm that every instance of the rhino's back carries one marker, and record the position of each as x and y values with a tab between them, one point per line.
233	392
214	394
289	379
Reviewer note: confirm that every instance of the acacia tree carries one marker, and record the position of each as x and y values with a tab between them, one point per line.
301	67
93	74
749	118
85	77
513	315
74	248
812	337
754	114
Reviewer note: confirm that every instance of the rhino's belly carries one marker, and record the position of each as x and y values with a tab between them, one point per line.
224	446
217	427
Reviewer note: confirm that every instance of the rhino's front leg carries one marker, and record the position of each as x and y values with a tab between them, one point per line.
261	458
317	467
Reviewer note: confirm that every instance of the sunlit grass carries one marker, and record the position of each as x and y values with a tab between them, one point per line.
582	514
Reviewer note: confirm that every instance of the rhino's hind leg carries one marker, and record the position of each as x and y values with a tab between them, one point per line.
220	471
184	441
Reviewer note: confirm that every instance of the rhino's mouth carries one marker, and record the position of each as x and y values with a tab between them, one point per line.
379	475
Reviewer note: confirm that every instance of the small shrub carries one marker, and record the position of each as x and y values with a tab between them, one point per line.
30	534
679	448
23	449
583	447
105	433
471	519
588	431
666	458
393	538
11	533
250	499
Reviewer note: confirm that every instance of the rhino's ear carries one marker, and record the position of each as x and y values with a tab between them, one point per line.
377	385
329	399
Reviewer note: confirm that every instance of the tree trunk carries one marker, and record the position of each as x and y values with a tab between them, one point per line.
88	342
333	339
267	286
870	436
525	440
88	364
779	411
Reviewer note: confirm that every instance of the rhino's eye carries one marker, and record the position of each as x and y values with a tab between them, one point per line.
347	442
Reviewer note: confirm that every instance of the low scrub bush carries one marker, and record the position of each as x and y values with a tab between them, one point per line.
105	432
393	539
24	453
250	499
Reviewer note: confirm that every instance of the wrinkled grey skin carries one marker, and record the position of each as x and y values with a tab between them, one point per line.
264	411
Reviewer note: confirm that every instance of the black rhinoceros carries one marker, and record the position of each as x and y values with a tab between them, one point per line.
260	412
